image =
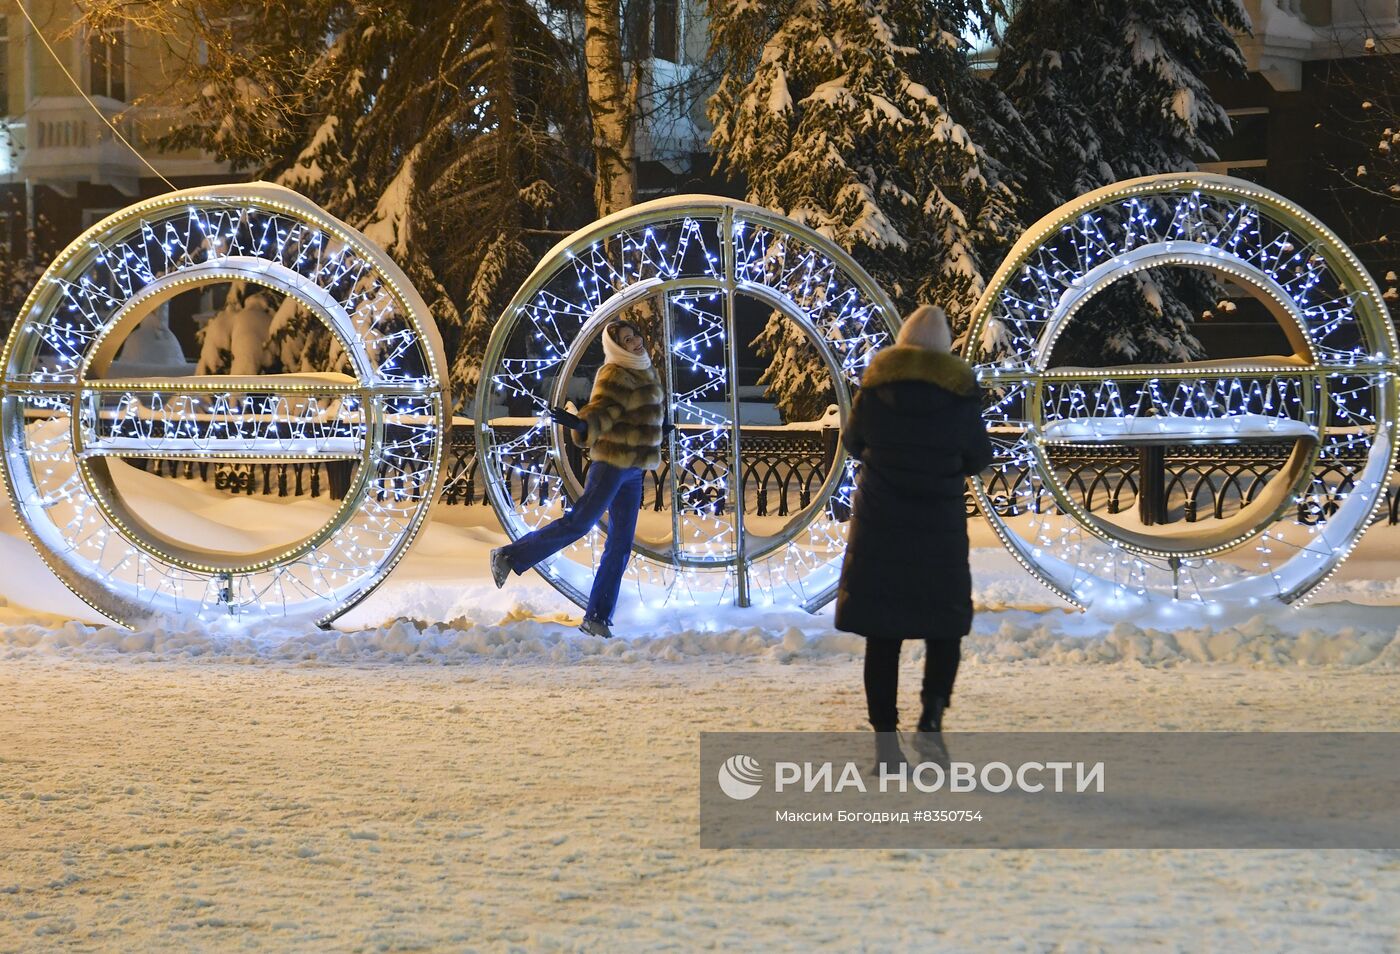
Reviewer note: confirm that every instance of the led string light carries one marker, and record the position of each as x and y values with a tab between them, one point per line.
1335	399
693	255
388	417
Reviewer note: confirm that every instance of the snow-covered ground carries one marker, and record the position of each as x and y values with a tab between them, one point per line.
457	768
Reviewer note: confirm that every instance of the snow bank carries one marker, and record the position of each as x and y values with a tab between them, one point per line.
1261	641
998	637
440	607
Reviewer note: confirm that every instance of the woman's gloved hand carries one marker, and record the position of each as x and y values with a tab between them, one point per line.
568	419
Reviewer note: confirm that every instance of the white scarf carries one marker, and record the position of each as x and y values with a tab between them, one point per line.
614	353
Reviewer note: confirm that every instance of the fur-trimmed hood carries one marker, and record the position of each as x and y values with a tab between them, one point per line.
906	363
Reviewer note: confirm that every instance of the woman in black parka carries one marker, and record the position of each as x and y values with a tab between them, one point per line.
916	426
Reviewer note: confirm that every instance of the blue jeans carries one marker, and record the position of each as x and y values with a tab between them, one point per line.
616	490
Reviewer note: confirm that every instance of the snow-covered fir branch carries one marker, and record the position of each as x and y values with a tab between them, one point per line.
1111	90
865	121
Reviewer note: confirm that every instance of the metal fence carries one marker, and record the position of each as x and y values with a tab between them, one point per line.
785	468
1170	483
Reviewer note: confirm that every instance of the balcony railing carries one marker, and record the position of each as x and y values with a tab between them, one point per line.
66	143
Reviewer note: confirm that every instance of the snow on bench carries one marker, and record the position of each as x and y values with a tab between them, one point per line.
262	448
1175	430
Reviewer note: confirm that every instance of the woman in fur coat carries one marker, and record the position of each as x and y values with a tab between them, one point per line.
916	426
622	426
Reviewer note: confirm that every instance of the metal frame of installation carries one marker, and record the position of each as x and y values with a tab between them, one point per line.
688	259
684	264
68	426
1333	399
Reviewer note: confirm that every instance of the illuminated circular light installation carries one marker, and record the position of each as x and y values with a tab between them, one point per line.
690	260
1333	399
69	424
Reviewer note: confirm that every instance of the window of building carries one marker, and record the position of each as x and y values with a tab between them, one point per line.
1245	154
982	46
666	33
1249	135
107	66
636	29
651	29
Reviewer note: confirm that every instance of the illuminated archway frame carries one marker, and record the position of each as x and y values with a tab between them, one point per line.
63	418
693	255
1336	392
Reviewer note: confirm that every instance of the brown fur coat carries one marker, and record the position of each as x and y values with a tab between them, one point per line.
624	415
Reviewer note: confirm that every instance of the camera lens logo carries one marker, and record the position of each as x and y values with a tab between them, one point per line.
740	777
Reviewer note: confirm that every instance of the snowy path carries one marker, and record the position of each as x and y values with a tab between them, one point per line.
554	807
457	768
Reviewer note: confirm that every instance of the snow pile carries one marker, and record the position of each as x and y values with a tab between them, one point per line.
440	607
238	339
151	350
1010	636
1263	641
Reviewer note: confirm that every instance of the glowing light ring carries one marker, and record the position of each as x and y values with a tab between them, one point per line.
692	255
1334	397
64	418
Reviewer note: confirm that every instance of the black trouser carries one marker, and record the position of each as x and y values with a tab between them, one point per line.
882	676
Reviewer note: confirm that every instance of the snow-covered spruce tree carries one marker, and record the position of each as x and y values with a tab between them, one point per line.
452	134
1111	90
864	120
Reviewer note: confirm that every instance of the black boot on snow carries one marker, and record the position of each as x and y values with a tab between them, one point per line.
595	627
889	756
932	719
928	737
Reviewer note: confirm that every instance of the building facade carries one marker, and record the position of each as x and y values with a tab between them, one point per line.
64	97
1307	118
61	165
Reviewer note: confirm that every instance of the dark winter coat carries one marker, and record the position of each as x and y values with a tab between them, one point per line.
624	415
916	426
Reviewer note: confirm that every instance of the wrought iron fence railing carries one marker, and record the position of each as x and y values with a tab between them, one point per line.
785	468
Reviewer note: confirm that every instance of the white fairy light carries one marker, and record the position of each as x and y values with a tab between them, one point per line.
1334	399
388	418
693	255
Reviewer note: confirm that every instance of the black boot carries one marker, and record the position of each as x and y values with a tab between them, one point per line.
928	738
932	719
595	627
889	754
500	567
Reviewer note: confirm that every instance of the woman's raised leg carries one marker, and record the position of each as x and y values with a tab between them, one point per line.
599	488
